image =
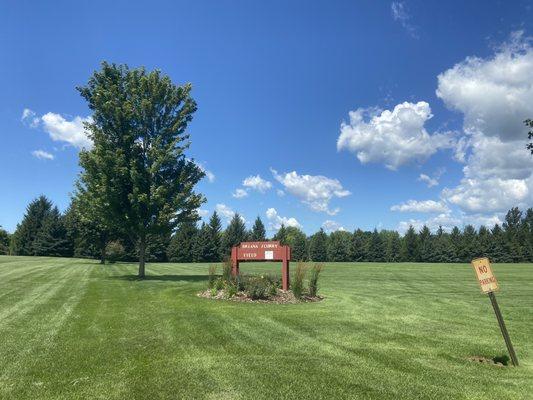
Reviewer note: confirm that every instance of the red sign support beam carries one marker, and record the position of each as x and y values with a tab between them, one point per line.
262	251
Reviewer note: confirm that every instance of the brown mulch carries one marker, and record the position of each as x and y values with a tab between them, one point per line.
281	297
486	360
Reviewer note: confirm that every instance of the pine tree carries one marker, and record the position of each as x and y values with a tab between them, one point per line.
393	245
182	242
496	250
51	240
456	240
258	231
357	247
512	230
483	241
410	245
318	246
281	235
425	245
443	251
527	224
215	228
4	241
297	241
376	250
201	245
339	246
469	244
29	228
234	234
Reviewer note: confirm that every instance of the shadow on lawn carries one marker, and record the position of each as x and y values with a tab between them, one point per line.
162	278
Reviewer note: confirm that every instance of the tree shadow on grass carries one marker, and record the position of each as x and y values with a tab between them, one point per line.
162	278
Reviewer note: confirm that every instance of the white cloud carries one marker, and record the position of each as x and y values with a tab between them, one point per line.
393	138
257	183
494	94
226	212
239	193
332	226
280	192
315	191
208	174
203	213
448	221
426	206
42	155
72	132
30	118
400	14
275	221
430	182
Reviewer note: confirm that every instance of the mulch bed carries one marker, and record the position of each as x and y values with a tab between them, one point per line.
281	297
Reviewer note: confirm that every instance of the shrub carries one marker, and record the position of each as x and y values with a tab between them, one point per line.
313	279
226	270
298	281
212	276
219	284
231	289
114	251
257	288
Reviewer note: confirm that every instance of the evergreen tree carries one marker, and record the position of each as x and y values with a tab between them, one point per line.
215	229
393	245
483	241
410	245
512	229
443	250
281	235
339	243
469	244
181	247
377	249
456	240
496	250
425	245
137	172
357	247
29	228
527	226
318	246
201	246
297	241
4	241
156	248
258	231
51	240
234	234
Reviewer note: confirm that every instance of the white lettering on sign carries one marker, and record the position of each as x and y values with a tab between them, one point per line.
249	255
484	274
269	255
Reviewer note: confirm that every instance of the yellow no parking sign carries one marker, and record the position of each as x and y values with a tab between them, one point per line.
484	274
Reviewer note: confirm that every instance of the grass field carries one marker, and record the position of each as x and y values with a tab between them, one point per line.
73	329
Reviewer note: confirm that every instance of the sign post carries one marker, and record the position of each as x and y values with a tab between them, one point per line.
489	284
263	251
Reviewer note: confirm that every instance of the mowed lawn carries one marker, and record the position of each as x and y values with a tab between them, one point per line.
74	329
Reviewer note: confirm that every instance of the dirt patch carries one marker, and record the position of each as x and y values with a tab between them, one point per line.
500	361
281	297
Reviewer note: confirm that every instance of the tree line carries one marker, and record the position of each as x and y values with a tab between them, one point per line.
44	231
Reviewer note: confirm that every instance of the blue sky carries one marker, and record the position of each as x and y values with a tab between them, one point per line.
353	114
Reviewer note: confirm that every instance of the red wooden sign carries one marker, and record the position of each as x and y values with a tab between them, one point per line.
263	251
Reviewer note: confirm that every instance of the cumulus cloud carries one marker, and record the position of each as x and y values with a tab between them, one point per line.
72	132
400	14
275	221
493	95
430	182
316	191
42	155
426	206
202	213
239	193
393	138
257	183
208	174
332	226
30	118
226	212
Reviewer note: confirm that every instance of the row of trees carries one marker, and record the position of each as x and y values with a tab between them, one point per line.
45	231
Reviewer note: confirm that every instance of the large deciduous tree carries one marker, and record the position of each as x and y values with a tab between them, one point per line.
137	173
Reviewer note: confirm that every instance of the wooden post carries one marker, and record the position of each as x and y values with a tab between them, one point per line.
234	262
505	334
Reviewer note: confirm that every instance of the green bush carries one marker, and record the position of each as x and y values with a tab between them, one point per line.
212	276
219	284
114	251
231	289
257	288
313	279
298	280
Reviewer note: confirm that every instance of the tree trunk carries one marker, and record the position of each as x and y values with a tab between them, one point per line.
142	251
102	255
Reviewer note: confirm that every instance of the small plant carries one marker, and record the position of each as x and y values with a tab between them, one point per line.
257	288
231	289
298	281
214	292
212	276
219	284
114	251
313	279
226	270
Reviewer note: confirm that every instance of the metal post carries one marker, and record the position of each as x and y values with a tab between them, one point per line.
505	334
